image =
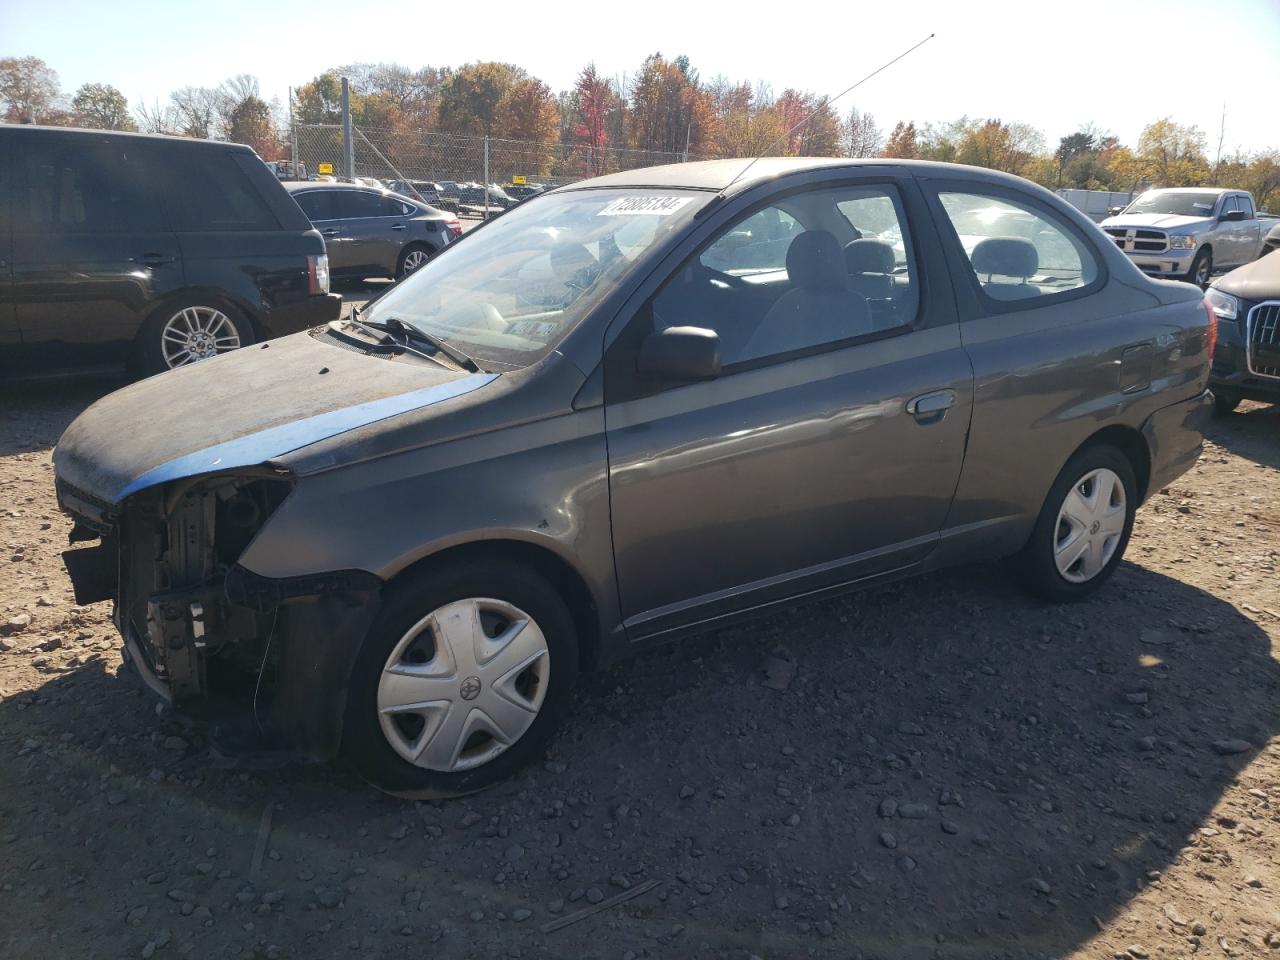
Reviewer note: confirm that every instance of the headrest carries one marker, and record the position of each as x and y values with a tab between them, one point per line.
1007	256
814	261
869	256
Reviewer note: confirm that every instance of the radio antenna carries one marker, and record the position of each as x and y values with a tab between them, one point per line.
821	106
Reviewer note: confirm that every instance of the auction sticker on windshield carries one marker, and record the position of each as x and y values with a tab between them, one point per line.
651	206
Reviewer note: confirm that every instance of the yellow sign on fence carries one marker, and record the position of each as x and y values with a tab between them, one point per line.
324	168
517	181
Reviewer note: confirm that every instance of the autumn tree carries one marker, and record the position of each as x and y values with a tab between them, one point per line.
596	99
29	90
102	107
1172	154
998	145
810	128
862	136
902	141
669	110
158	117
471	96
198	110
249	122
743	121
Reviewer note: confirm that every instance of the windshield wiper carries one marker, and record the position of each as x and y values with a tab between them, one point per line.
438	344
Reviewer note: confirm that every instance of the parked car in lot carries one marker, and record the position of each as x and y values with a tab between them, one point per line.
1247	363
646	405
519	192
374	233
1188	233
147	251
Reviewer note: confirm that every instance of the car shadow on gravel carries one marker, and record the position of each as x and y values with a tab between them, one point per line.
935	768
34	413
1252	432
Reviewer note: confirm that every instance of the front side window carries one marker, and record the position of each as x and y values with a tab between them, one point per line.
1015	251
513	290
811	270
1245	204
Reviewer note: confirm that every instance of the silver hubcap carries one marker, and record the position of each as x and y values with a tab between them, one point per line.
413	260
1090	524
197	333
463	685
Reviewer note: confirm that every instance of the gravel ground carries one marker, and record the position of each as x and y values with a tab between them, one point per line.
940	768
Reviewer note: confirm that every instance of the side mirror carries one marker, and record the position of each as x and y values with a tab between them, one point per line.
1114	211
1232	216
680	353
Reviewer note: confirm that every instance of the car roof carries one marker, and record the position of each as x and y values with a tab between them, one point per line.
88	131
734	176
1208	191
293	186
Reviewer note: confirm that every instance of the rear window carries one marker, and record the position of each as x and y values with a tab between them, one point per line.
316	204
208	191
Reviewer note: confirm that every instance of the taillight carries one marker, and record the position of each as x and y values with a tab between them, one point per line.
318	274
455	226
1211	335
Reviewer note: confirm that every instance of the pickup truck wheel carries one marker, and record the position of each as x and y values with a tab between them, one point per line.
1201	269
461	680
1083	527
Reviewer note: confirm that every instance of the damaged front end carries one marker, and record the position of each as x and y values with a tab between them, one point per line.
264	661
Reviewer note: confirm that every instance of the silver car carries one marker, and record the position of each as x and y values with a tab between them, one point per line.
644	406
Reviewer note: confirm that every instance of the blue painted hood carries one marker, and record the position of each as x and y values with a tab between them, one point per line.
241	409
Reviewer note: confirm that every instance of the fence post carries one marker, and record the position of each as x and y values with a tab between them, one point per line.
486	176
348	145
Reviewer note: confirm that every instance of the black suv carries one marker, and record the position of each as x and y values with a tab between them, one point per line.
146	251
1246	365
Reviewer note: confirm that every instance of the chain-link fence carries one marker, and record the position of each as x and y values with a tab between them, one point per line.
461	172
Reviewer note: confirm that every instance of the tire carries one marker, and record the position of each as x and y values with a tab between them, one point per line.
1056	536
207	323
1224	404
1201	268
461	748
411	257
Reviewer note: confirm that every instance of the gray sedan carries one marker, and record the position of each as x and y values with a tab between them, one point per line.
373	233
644	406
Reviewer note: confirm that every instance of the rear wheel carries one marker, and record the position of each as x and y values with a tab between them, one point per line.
189	331
461	680
411	258
1083	527
1201	268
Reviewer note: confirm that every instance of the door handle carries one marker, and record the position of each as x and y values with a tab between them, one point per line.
152	259
930	407
397	226
331	232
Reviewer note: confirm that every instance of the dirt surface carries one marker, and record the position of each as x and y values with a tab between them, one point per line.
940	768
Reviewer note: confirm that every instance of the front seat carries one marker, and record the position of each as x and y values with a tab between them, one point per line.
1006	257
820	307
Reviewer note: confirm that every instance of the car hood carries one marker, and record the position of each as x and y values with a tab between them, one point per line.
1165	221
241	409
1259	280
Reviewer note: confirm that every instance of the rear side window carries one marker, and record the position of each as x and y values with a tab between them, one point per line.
77	185
355	204
1016	252
316	204
209	192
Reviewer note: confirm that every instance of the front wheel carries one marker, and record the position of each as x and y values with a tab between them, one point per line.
1083	527
461	680
1201	269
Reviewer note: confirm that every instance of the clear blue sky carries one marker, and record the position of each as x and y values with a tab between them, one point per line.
1116	63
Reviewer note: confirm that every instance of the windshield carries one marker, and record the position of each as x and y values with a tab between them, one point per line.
1177	204
512	291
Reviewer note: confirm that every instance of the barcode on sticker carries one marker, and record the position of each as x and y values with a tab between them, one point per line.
652	206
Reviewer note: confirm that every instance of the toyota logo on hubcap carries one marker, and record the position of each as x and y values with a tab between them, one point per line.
470	688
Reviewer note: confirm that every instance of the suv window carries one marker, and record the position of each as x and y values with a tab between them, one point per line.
354	204
77	185
816	269
1018	253
208	191
316	204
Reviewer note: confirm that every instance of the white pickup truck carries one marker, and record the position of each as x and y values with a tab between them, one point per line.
1189	233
